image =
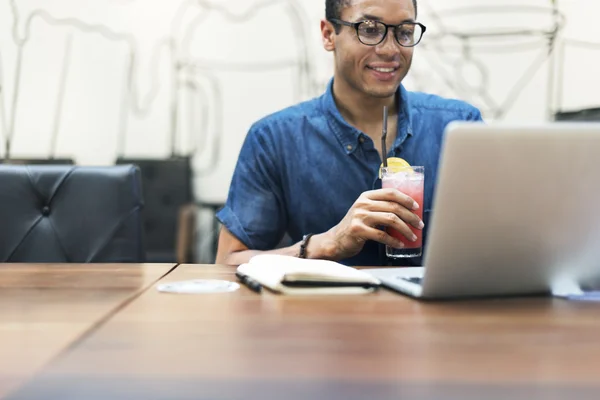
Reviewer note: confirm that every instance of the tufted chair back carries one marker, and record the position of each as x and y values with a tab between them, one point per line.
63	213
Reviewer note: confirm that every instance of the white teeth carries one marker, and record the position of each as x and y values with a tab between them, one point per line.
384	69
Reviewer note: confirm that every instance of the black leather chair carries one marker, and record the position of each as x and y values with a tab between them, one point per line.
169	214
63	213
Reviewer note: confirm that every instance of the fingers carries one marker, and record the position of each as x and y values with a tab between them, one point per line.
390	220
405	215
377	235
392	195
384	207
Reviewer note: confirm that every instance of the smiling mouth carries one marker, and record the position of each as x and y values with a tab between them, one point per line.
383	70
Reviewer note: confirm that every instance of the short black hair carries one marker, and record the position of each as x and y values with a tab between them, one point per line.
333	9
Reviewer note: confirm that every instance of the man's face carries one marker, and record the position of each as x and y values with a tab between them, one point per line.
376	71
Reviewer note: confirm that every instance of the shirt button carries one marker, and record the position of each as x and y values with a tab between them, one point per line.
361	139
349	147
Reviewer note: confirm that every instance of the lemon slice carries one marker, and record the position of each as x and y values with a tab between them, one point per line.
396	164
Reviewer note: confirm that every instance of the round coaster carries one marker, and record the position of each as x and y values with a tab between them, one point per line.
198	286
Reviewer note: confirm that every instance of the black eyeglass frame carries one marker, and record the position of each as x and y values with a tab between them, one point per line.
356	26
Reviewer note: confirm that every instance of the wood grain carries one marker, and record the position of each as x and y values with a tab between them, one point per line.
383	345
46	307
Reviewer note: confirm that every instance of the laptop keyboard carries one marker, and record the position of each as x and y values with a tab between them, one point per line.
413	279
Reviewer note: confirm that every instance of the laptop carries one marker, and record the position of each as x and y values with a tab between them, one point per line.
516	212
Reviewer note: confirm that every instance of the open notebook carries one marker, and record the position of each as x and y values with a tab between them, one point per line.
291	275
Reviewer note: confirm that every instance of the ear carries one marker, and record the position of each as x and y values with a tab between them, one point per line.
328	35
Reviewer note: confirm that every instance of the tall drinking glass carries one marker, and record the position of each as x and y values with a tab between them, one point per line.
411	182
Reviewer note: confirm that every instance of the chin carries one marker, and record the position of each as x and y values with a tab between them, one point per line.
382	92
381	89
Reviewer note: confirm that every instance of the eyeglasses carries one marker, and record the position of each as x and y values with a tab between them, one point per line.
371	33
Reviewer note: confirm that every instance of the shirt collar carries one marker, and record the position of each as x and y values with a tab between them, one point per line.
349	136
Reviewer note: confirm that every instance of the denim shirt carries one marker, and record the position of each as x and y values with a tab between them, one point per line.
301	169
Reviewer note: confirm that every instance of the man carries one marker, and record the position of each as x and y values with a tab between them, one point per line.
311	170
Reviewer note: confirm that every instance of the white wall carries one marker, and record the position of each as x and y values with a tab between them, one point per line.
97	71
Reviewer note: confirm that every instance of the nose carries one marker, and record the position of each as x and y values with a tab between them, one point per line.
389	47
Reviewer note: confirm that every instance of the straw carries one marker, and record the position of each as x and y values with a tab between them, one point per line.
384	136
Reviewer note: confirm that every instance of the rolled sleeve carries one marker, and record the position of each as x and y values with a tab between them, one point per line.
474	115
255	210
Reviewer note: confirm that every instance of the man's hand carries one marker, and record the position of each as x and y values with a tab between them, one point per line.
383	207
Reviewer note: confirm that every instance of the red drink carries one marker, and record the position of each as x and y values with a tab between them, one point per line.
412	184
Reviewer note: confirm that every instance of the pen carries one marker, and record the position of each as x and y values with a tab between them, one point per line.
249	282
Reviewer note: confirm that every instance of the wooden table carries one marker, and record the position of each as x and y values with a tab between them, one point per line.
242	345
46	308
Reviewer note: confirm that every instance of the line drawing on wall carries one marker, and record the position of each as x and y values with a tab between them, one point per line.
165	59
465	41
191	79
465	36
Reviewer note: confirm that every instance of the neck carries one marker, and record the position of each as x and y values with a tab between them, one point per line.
359	109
